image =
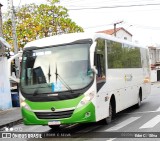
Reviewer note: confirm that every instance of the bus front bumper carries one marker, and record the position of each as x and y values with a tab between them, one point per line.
83	114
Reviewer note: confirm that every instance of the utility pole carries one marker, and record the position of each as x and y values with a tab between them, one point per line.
1	33
115	27
2	49
10	2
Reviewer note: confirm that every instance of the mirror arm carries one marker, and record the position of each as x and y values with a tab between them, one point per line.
9	67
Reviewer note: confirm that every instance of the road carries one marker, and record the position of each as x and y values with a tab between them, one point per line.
144	119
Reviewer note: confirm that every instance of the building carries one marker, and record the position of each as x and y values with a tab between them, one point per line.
154	56
155	63
119	33
1	34
5	94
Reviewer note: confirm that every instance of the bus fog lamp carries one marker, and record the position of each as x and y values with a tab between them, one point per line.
88	114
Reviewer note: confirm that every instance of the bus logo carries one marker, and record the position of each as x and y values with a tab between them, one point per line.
53	109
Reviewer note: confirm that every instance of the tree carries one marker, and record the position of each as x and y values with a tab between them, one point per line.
38	21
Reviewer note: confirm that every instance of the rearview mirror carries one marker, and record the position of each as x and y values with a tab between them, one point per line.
11	77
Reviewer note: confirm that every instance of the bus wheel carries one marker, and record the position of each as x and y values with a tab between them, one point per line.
109	118
139	101
54	127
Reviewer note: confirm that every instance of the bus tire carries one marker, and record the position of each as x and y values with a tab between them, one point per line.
55	127
109	118
138	105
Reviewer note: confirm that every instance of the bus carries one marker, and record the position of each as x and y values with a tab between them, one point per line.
81	78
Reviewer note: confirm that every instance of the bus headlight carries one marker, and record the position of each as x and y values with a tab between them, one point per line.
87	98
25	105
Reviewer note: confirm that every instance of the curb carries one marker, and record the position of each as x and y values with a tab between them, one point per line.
12	123
10	117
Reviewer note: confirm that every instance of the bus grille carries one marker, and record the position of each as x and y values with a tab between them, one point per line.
54	115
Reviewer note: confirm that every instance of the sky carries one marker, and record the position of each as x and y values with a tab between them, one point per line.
142	21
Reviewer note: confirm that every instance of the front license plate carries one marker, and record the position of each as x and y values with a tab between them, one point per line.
54	122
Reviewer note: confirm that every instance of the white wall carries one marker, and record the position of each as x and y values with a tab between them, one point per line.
5	94
152	55
158	55
153	75
122	35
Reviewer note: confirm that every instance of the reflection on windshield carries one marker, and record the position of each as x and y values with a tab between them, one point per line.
56	69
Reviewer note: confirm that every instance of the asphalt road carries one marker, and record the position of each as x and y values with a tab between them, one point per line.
144	121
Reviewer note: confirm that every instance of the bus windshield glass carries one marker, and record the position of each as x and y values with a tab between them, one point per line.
56	69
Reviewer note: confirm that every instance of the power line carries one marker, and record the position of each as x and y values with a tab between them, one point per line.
116	6
143	26
99	3
128	24
104	1
69	1
98	26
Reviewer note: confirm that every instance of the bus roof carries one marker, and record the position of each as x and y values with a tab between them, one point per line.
72	37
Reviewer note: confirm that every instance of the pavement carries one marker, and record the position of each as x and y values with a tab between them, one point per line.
10	117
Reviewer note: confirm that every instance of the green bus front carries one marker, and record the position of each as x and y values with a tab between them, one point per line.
57	84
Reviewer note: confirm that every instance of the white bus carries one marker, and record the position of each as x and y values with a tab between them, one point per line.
80	77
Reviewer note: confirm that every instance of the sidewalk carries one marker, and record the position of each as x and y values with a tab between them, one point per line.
10	117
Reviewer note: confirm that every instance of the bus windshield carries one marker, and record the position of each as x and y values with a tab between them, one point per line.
56	69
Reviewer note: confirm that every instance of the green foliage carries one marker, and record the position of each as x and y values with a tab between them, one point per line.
38	21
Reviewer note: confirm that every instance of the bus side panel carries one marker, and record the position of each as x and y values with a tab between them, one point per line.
124	84
101	103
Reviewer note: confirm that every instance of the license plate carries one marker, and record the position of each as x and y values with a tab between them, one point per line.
54	122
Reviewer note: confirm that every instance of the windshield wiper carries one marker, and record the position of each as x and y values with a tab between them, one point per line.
62	81
49	73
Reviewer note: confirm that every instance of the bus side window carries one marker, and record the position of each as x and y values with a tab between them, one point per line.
99	62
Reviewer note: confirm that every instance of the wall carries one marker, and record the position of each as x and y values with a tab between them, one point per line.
153	75
5	94
157	55
122	34
152	53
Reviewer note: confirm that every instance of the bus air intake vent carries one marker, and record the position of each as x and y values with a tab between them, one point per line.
54	115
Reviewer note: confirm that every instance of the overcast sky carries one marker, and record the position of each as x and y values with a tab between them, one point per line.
142	21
